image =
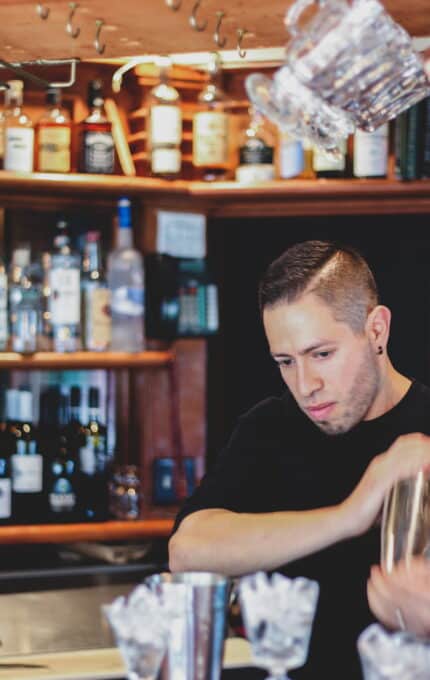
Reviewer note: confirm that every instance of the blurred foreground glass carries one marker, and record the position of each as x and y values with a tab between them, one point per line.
393	656
125	494
278	614
350	58
405	528
140	623
198	625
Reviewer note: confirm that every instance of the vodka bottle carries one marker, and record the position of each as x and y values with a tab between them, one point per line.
65	297
126	283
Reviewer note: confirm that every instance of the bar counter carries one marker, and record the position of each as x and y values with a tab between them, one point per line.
98	664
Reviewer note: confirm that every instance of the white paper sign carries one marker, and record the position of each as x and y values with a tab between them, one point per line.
181	234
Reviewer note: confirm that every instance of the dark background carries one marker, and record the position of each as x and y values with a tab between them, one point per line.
240	369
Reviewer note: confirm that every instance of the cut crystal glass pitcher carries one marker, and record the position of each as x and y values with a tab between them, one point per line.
351	56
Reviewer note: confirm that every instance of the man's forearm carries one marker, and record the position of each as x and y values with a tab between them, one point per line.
239	543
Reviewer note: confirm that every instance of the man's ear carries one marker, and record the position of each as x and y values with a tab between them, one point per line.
378	327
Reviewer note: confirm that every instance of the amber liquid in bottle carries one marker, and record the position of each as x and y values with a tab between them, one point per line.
97	150
54	136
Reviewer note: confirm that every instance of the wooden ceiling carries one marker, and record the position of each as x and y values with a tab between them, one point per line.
149	26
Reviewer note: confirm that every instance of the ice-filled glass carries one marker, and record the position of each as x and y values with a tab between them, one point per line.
393	656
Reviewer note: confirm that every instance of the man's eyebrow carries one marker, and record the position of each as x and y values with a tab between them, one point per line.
302	352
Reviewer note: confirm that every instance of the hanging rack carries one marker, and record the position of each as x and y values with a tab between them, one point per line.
194	23
17	67
71	30
220	42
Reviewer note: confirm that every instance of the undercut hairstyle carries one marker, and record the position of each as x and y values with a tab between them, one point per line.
336	274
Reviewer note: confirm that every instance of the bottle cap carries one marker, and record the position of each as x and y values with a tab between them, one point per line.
53	95
93	397
124	213
92	236
95	93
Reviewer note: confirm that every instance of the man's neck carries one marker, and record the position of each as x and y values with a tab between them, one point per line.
394	386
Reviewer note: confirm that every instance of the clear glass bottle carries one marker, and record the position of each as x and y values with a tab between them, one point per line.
211	151
19	132
4	114
96	320
256	151
291	156
4	322
25	316
45	335
20	262
125	275
164	129
65	275
54	135
97	150
371	152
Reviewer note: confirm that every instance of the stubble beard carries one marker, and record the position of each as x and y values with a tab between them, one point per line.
359	399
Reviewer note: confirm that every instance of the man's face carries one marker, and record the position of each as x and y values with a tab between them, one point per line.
332	373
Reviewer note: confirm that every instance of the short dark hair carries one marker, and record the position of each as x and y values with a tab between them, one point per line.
337	274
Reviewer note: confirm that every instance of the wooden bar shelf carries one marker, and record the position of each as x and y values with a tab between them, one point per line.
84	360
152	527
222	199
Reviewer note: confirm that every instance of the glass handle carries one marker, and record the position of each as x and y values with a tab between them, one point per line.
293	15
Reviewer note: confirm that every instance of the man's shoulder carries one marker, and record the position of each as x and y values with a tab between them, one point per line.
272	409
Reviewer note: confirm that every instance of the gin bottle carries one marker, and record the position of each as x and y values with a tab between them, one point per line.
65	300
126	284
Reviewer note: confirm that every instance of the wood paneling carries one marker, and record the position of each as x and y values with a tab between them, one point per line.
137	27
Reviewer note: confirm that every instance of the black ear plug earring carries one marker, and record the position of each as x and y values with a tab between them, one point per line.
380	350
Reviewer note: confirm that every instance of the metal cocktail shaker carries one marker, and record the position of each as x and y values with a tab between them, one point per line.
405	529
196	644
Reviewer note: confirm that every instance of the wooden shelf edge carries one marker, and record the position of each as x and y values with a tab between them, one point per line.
100	531
88	360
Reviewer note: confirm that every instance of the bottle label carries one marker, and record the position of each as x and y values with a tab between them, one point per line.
54	149
62	498
165	161
98	322
99	152
210	139
324	162
65	296
249	174
27	474
262	155
371	152
165	125
5	498
128	301
19	149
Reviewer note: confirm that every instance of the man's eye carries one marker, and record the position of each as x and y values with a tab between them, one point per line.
324	354
284	363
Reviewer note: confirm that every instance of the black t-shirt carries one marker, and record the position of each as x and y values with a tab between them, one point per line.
277	459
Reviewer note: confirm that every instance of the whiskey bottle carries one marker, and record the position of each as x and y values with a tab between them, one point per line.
97	151
164	130
255	152
54	136
211	127
19	132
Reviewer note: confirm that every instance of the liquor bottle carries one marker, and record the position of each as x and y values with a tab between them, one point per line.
97	151
61	478
4	323
371	152
255	152
211	128
93	463
27	466
126	284
164	133
19	132
96	320
20	261
5	472
54	135
25	316
291	156
4	114
45	335
308	152
65	298
328	165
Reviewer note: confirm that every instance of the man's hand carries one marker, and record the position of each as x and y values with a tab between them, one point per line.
408	455
406	588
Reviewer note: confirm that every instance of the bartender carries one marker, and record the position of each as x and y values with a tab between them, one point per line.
300	484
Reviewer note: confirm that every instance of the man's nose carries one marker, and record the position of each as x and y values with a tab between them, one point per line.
308	381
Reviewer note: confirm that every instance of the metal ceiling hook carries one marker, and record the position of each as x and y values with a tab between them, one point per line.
73	31
174	4
194	22
241	33
42	10
97	44
217	37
